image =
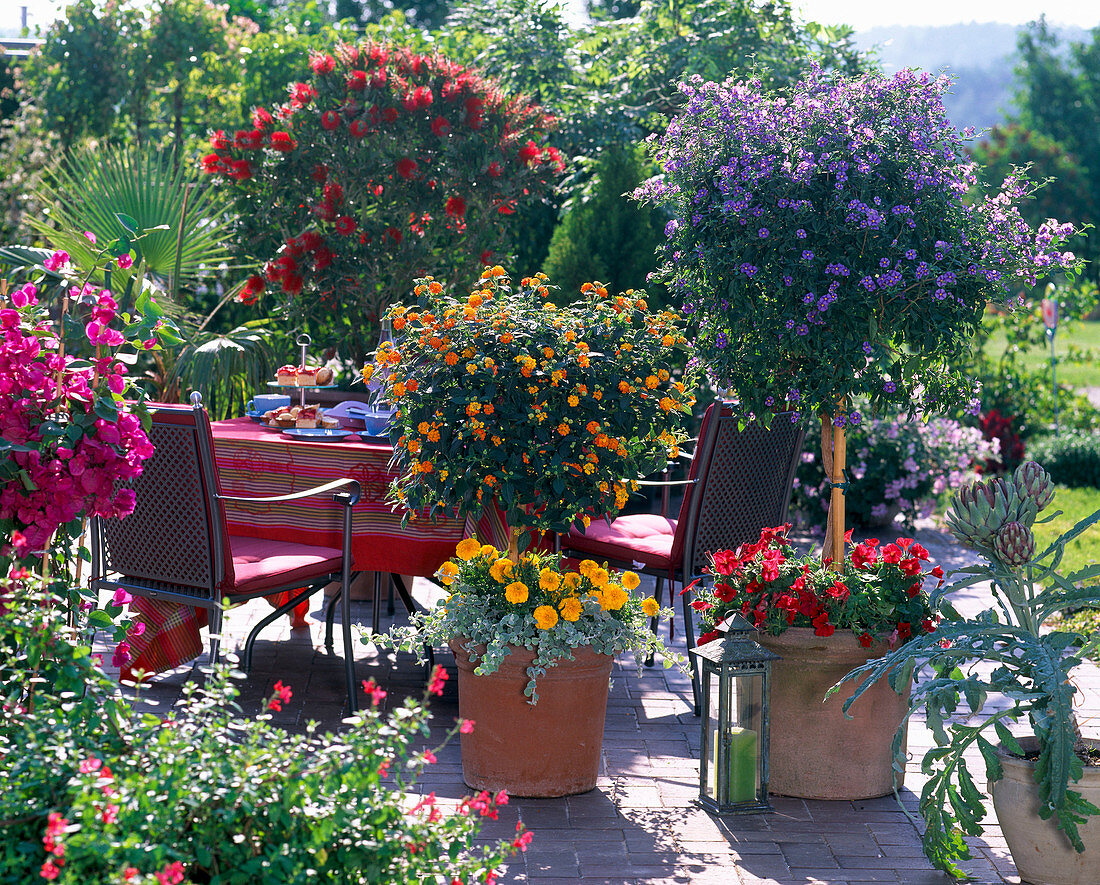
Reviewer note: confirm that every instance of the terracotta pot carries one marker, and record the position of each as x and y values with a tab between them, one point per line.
1040	850
546	750
814	752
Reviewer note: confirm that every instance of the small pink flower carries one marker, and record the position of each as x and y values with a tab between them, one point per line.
90	236
56	261
121	598
466	726
121	656
125	261
90	765
439	677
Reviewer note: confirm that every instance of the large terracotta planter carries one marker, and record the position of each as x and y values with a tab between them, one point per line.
1039	849
549	749
814	752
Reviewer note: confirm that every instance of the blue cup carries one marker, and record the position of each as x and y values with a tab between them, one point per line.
265	402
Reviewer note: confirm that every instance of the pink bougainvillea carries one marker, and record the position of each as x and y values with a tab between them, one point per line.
66	433
385	166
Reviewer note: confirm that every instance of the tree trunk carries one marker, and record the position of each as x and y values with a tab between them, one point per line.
833	458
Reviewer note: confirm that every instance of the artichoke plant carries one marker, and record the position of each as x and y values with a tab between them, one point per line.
1029	667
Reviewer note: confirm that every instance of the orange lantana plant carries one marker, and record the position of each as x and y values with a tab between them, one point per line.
551	411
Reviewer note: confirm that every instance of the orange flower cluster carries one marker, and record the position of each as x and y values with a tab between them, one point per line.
546	408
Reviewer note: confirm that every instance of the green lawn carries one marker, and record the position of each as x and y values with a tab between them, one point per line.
1084	550
1082	336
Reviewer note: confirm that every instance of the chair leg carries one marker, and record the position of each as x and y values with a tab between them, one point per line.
376	605
689	637
271	618
349	650
215	632
653	621
330	617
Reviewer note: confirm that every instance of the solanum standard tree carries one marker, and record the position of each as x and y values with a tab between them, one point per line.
825	247
382	167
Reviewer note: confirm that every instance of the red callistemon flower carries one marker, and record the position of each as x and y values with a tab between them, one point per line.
390	115
292	284
322	258
248	139
359	128
219	141
456	207
211	164
285	265
475	112
261	118
322	64
301	94
394	234
239	170
440	126
345	225
379	78
487	257
319	173
506	207
530	153
330	120
406	168
281	141
379	55
555	157
334	193
253	287
357	81
494	170
424	97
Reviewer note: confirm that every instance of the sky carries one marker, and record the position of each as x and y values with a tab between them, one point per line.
861	14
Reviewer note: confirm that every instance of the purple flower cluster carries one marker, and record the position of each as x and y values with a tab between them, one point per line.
853	187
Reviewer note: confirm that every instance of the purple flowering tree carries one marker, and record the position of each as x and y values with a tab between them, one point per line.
827	245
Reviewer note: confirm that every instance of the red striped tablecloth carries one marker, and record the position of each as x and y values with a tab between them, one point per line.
253	461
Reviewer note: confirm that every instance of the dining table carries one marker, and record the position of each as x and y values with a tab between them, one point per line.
254	460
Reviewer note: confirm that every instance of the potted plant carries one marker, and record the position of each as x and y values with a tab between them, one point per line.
1046	786
827	245
505	400
824	621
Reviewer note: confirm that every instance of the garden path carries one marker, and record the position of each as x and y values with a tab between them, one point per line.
640	825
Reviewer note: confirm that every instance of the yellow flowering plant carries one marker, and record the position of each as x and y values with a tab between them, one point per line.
551	411
535	601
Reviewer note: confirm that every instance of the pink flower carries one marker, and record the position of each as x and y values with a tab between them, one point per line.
172	874
56	261
466	726
125	261
281	696
376	694
90	236
121	656
50	871
90	765
439	677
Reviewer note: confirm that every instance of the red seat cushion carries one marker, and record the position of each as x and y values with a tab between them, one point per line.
262	565
643	537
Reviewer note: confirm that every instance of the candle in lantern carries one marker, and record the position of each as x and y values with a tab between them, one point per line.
743	764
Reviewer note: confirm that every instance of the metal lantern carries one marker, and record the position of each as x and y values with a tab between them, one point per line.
733	768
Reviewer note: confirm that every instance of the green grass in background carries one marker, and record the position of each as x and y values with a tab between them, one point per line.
1084	550
1081	335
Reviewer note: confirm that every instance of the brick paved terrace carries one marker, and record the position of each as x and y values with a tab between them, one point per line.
640	824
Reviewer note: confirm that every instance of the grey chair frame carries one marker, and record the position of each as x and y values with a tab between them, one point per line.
205	590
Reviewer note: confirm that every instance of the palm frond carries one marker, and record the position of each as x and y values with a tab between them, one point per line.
228	368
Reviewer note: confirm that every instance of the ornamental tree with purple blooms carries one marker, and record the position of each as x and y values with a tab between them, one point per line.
825	245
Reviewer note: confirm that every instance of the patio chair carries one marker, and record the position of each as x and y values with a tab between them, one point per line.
176	546
739	482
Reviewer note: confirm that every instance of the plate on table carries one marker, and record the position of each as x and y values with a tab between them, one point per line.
366	436
321	433
258	417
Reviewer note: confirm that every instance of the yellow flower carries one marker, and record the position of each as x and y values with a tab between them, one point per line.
571	608
549	580
447	572
468	549
600	577
516	592
488	550
631	580
501	570
614	598
571	580
545	617
588	568
650	607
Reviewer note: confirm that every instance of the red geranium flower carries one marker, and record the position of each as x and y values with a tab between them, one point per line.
345	224
456	207
822	627
330	120
406	168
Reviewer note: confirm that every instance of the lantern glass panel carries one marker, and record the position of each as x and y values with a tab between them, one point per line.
732	738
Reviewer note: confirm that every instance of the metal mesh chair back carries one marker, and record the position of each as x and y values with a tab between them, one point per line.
745	482
173	539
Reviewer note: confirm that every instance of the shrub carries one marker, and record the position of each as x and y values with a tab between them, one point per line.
384	166
96	793
1071	459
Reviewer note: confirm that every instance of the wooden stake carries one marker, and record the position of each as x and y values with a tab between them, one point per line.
833	457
